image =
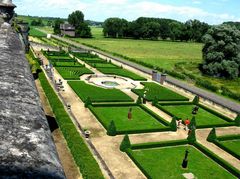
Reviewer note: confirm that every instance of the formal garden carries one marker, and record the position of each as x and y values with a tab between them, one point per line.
120	114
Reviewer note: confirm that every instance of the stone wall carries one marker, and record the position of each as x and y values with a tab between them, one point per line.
27	149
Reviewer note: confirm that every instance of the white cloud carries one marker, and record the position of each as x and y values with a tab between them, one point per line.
102	9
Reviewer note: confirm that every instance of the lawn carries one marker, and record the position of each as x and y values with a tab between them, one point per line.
104	65
98	94
166	163
233	145
161	93
73	73
141	120
203	117
36	33
121	72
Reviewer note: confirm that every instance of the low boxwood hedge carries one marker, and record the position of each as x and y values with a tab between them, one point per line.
81	153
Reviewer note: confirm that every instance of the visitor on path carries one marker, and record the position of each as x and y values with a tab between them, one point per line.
186	122
179	123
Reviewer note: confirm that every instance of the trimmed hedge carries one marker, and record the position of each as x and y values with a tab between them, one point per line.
228	137
81	153
217	159
216	113
136	131
158	144
218	143
175	103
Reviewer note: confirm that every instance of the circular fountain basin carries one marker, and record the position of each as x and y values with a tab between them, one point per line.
110	83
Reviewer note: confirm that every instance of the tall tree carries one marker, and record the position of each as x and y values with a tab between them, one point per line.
56	27
77	20
115	27
221	52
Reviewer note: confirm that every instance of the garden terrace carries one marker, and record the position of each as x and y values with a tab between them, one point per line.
143	120
205	117
73	73
161	93
167	162
67	64
97	94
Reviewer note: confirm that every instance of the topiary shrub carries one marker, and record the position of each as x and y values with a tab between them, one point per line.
237	120
173	124
139	100
112	131
155	101
193	124
192	137
125	144
212	135
88	102
196	100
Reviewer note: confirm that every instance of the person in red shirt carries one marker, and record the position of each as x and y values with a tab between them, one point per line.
187	122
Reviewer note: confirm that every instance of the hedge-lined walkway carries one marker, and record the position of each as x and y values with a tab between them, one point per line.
203	134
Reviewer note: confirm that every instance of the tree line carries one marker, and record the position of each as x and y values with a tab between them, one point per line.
155	28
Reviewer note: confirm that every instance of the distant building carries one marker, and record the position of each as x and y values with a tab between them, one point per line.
67	29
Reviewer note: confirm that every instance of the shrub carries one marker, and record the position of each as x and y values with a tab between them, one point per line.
193	124
212	135
155	101
192	137
237	120
125	144
139	100
88	102
196	100
112	131
208	85
173	124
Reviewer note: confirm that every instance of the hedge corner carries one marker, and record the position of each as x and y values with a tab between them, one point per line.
212	135
112	131
237	120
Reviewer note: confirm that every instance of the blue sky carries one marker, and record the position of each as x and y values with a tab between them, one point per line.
210	11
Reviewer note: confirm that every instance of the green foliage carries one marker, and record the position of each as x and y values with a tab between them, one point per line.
161	93
196	100
112	131
155	101
237	120
207	84
125	144
173	124
73	73
37	22
88	102
139	100
77	20
36	33
56	27
193	124
192	137
115	27
221	52
81	154
212	135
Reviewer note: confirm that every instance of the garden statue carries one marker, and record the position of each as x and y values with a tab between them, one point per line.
185	160
195	110
130	114
6	11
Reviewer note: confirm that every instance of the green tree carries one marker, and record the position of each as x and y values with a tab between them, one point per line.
196	100
115	27
237	120
212	135
112	131
56	27
193	124
192	137
173	124
77	20
221	52
125	144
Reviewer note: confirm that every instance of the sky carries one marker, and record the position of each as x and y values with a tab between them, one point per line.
210	11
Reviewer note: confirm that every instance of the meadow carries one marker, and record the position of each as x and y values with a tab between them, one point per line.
167	162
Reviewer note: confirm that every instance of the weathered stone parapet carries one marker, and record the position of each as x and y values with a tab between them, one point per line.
27	149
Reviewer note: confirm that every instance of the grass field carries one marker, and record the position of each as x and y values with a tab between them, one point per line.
36	33
161	93
233	145
67	64
97	94
166	162
203	117
73	73
141	120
